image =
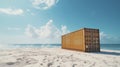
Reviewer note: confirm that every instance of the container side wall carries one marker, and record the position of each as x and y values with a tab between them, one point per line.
77	42
68	41
84	46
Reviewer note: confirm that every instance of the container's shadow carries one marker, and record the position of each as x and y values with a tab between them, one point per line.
108	53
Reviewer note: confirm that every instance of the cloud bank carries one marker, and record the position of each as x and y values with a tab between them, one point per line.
10	11
48	32
44	4
109	39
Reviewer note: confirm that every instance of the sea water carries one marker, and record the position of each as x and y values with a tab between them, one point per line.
110	46
102	46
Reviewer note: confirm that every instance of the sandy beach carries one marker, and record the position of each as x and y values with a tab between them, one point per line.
57	57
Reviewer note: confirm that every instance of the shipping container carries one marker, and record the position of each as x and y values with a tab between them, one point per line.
85	39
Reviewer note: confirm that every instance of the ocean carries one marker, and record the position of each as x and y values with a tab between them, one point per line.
102	46
110	46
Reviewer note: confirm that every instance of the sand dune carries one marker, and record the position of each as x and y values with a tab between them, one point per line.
57	57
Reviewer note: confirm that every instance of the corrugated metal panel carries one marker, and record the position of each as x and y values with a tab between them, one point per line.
68	37
74	40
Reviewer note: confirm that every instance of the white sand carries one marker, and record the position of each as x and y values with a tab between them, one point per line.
57	57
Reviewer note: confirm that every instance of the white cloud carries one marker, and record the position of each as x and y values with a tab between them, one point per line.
64	29
30	31
13	28
109	39
46	33
44	4
102	35
11	11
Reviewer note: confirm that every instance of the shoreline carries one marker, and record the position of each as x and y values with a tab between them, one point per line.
57	57
111	50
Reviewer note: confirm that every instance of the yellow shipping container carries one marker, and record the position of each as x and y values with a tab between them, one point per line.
85	39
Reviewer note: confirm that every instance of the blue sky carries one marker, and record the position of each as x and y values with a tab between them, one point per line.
44	21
